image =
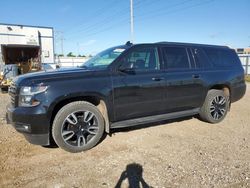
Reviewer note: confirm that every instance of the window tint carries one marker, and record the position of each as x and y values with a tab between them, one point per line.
176	58
221	57
142	59
200	58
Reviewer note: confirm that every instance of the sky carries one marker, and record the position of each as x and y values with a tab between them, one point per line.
90	26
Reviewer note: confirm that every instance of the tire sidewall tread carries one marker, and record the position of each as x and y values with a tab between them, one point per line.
205	109
63	113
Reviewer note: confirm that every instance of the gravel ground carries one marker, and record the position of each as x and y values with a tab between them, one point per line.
180	153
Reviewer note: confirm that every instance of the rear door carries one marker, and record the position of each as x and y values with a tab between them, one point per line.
139	84
184	87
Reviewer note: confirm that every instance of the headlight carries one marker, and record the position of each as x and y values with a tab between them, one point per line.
26	97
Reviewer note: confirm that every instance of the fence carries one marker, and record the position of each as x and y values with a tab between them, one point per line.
70	61
245	60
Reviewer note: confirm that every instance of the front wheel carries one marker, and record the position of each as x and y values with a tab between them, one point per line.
215	107
78	126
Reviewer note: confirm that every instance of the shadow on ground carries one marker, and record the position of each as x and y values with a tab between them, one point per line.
134	174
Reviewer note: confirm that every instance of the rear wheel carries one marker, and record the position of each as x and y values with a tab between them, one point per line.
78	126
215	107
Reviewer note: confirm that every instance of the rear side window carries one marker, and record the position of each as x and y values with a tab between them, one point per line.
176	58
221	57
200	58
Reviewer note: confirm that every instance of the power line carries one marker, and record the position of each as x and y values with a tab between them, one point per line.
102	21
163	12
153	14
88	29
139	3
109	19
92	27
99	12
120	23
163	9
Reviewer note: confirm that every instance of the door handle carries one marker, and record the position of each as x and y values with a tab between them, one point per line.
158	78
196	76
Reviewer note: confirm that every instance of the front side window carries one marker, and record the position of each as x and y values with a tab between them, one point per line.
176	58
142	59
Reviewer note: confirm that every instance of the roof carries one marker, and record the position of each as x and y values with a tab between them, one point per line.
7	24
191	44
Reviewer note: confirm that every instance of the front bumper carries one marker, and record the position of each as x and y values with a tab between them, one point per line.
31	122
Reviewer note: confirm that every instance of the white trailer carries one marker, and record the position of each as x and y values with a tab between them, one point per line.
21	42
25	47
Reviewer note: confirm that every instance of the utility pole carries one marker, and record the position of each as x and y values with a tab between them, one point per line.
62	51
131	22
59	39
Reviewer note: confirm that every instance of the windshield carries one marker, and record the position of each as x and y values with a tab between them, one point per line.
103	59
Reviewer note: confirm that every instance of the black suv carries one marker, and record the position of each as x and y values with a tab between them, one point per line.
124	86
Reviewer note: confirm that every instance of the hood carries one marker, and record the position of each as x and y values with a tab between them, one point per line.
43	76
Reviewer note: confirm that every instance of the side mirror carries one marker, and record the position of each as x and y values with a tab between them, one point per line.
126	68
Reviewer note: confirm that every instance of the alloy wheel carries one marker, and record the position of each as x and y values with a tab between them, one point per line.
79	128
218	107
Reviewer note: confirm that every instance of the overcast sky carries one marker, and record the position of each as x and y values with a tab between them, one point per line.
90	26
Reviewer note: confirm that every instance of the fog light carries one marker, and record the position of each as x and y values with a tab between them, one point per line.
21	127
26	127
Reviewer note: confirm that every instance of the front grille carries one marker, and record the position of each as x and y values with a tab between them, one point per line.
13	94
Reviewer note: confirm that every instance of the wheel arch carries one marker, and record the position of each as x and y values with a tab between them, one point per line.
96	100
225	87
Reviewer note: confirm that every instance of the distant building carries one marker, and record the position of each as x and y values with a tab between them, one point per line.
20	44
242	50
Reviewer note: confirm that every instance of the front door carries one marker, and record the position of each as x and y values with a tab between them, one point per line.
138	84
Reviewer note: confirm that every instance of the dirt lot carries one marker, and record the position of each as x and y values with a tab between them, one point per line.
185	153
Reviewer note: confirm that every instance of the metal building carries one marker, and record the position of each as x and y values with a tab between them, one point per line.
23	49
23	43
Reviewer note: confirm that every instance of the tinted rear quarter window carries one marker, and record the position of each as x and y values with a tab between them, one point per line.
221	57
176	58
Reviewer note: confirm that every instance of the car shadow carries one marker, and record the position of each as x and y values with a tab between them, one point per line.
128	129
53	144
134	174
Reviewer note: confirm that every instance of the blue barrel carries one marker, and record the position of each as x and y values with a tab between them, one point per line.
10	71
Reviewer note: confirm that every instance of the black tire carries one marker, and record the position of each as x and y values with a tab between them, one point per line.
71	122
4	90
215	107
